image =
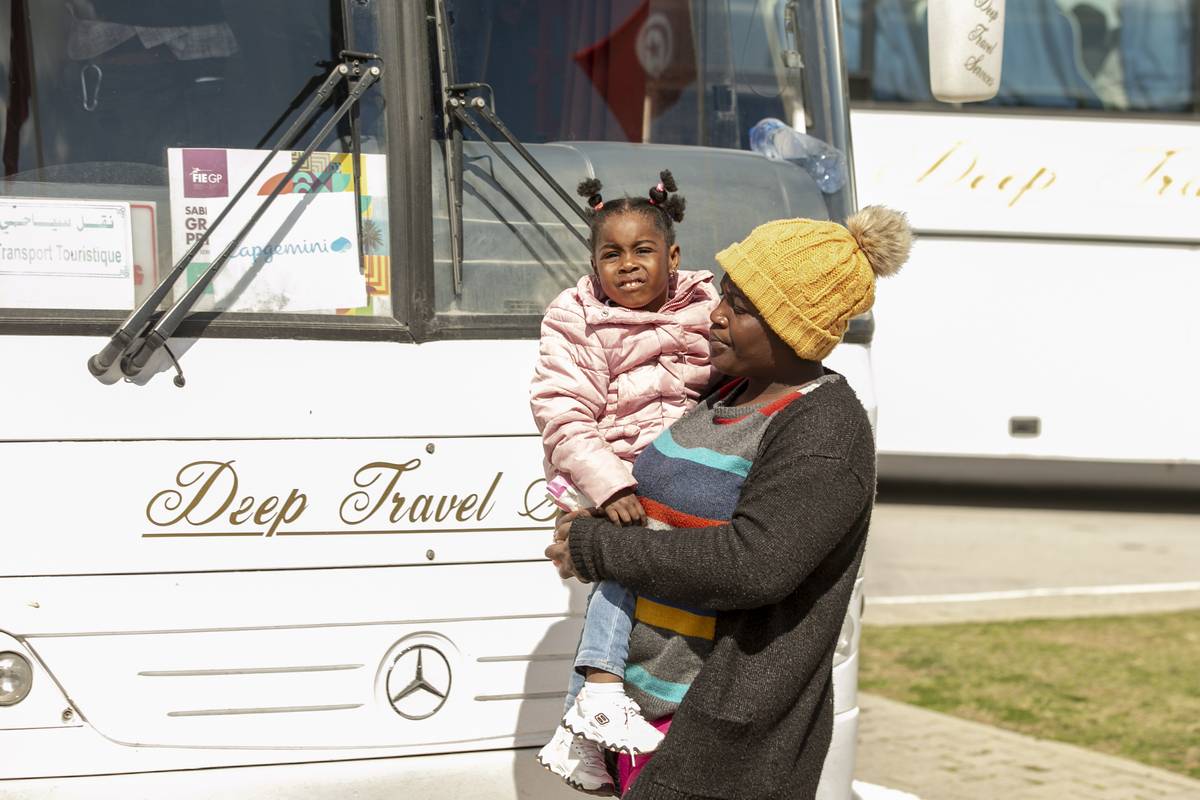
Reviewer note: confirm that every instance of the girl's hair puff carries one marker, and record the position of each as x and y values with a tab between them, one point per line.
660	204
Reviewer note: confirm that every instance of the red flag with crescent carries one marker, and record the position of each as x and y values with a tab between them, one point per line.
644	64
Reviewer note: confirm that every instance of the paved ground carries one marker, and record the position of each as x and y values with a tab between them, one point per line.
937	757
939	557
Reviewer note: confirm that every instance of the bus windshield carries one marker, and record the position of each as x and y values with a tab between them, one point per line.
110	107
1121	55
104	101
621	90
664	71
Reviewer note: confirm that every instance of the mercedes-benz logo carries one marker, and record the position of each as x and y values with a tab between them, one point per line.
419	682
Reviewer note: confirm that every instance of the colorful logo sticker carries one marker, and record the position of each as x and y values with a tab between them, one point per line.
205	173
322	172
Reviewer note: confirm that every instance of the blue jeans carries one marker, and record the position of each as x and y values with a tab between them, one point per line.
604	643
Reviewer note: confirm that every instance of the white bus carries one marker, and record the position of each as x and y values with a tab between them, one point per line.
1043	330
298	552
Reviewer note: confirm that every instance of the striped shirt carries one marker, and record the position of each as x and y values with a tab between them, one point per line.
691	477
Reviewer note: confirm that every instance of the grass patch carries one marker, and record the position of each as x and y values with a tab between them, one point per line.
1128	686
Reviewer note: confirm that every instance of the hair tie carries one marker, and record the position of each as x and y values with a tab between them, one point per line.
658	194
596	202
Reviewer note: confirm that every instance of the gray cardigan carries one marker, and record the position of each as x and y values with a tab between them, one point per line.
757	721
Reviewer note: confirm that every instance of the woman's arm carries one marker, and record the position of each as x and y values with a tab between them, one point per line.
795	509
568	397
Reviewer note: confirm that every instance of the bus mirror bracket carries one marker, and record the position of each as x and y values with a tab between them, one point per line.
453	158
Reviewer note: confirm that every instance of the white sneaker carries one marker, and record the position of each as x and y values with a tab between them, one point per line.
579	763
613	721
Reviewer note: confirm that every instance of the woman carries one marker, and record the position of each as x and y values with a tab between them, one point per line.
758	501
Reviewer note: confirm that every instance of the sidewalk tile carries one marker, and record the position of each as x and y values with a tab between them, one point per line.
939	757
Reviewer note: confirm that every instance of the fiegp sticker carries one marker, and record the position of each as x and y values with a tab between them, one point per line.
205	173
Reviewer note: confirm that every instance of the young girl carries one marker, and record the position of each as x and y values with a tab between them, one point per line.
623	355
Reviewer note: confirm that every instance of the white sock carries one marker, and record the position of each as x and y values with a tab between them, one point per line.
604	687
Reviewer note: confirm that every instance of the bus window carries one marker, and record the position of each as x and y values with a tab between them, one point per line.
619	90
109	106
1116	55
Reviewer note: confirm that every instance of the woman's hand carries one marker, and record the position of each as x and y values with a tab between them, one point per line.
623	508
560	554
560	551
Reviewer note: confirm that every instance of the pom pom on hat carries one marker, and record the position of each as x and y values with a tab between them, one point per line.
884	237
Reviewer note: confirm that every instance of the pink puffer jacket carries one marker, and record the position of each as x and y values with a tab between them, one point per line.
610	379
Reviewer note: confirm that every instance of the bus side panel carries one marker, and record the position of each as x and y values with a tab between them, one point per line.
1046	310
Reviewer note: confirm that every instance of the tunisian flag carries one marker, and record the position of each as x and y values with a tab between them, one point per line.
644	64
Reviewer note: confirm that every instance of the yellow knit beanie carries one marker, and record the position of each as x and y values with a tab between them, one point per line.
808	277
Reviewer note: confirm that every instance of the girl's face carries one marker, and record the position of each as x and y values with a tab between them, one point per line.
743	345
633	261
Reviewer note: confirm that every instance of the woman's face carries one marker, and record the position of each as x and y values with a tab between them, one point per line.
743	345
633	261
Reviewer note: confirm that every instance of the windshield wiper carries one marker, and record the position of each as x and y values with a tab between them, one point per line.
458	107
459	103
140	335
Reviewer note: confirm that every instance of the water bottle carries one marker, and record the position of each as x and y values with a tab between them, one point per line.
779	141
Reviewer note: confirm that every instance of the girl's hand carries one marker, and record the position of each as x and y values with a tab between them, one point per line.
562	525
623	508
565	517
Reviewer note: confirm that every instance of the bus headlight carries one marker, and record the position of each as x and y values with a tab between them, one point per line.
16	678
